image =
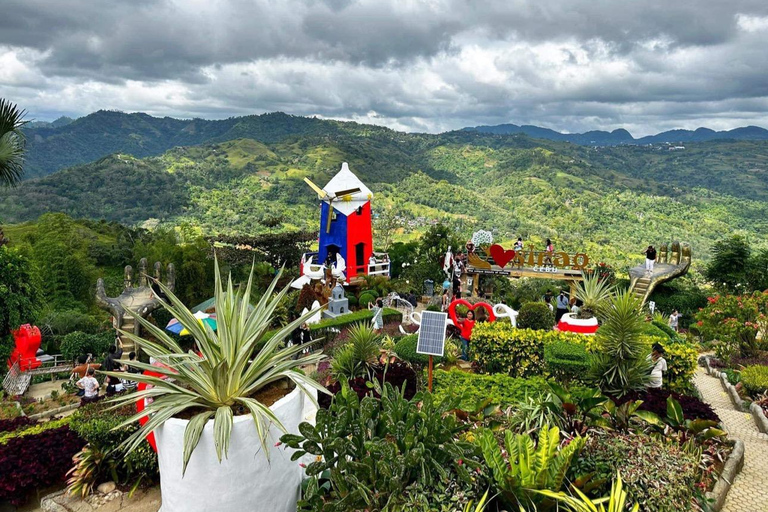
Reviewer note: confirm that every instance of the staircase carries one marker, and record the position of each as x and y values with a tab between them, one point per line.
642	288
129	346
16	382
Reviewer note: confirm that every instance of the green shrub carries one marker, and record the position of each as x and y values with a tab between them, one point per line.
755	379
658	475
566	361
474	388
682	359
78	343
499	347
356	357
536	316
367	298
370	452
434	307
352	301
340	322
670	332
405	348
101	429
651	329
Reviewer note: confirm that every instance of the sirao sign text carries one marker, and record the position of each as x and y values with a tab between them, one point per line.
538	260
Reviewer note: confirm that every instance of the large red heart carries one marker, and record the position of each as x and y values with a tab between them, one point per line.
500	256
471	307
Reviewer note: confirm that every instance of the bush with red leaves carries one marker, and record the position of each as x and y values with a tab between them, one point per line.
36	461
655	401
396	374
15	423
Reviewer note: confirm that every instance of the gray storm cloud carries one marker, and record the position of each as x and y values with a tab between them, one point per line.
430	65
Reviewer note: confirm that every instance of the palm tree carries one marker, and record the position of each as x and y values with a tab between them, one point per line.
11	143
11	148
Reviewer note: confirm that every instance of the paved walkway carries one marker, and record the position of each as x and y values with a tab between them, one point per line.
749	492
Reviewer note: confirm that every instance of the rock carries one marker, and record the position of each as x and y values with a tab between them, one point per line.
106	487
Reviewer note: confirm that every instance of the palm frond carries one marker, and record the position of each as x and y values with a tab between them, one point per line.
11	143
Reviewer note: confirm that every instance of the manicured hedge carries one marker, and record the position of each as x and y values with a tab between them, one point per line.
405	348
670	332
650	329
474	388
536	316
755	379
566	361
500	348
35	457
389	315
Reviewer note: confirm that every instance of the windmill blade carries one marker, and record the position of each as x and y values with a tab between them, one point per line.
322	194
349	191
330	214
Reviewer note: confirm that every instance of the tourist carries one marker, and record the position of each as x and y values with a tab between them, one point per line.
674	320
650	259
127	368
659	366
548	300
111	364
465	328
562	306
456	287
519	244
550	251
378	314
446	301
90	387
575	309
301	336
372	263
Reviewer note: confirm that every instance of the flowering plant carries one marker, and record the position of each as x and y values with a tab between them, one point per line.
735	321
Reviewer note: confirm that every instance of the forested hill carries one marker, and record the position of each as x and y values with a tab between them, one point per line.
609	201
621	136
55	146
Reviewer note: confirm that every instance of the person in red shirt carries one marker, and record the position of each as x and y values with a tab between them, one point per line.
465	327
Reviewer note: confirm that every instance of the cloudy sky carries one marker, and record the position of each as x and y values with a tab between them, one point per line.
431	65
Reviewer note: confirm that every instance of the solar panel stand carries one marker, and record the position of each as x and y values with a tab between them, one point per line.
430	374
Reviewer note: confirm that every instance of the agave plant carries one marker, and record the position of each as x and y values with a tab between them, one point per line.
620	363
594	293
234	363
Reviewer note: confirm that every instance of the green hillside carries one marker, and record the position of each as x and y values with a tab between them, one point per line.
608	201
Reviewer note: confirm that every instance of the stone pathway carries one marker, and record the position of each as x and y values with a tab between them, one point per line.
749	492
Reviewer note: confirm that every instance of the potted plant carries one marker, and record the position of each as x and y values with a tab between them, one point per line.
215	432
593	292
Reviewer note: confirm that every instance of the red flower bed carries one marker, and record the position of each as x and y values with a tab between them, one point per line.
36	461
655	401
15	423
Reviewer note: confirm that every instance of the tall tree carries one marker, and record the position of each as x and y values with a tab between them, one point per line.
727	269
11	148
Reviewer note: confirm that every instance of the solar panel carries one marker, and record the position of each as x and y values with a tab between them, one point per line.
432	333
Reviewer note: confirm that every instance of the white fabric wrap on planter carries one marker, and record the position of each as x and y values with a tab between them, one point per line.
246	480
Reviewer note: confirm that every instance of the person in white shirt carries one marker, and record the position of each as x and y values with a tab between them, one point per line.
659	366
674	320
90	386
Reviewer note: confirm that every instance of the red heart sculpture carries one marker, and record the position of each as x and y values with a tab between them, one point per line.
471	307
500	256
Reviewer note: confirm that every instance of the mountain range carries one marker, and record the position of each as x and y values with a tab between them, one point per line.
622	136
245	176
67	142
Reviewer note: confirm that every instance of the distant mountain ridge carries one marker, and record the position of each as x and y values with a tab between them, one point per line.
66	142
622	136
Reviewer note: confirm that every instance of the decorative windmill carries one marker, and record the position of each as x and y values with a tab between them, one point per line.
345	220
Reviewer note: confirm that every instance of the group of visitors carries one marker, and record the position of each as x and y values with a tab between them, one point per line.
88	383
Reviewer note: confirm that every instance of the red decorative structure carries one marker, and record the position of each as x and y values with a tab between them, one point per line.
472	307
27	338
582	326
141	404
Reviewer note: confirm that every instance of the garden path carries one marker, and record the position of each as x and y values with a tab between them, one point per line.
748	493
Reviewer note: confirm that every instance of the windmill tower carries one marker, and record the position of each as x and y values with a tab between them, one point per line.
345	221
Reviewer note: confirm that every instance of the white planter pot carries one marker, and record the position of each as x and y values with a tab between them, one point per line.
244	481
570	323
